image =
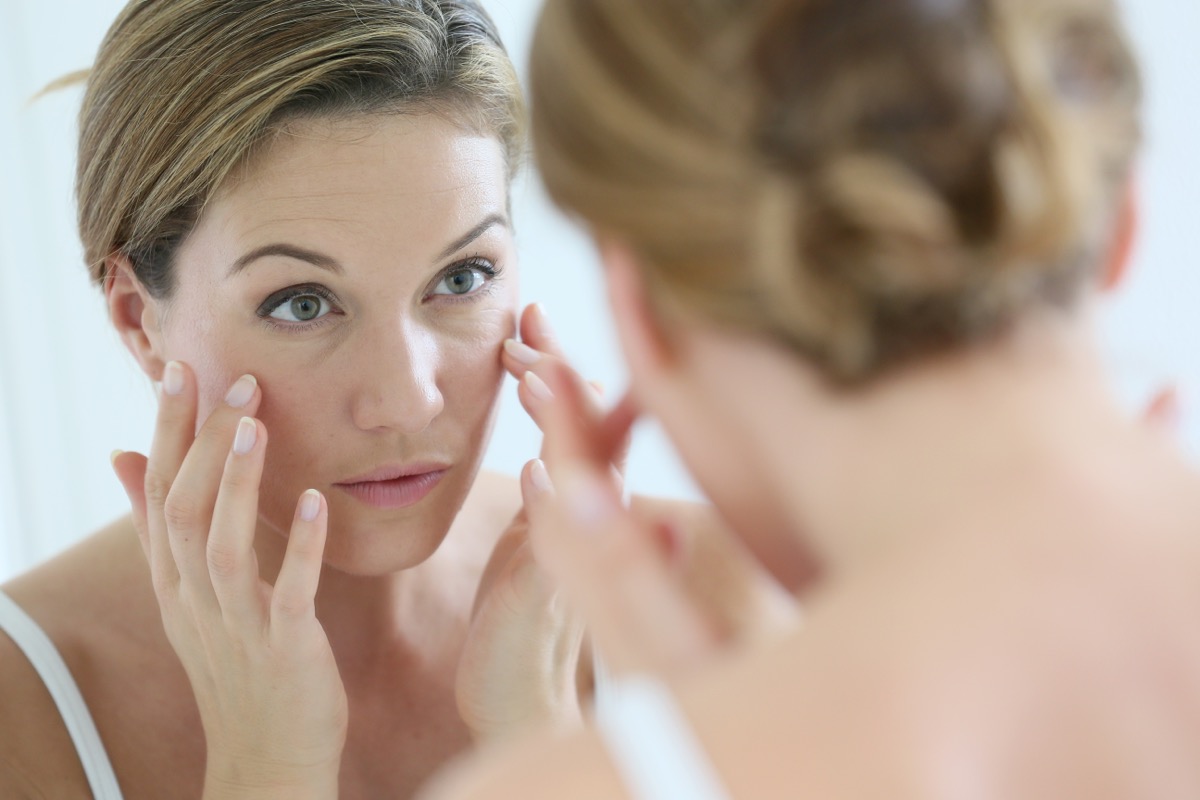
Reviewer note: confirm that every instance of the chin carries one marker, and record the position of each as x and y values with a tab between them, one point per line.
369	541
376	553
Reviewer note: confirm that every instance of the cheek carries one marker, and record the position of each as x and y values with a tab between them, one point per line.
470	372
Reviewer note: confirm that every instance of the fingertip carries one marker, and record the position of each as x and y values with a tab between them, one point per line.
541	321
521	354
537	387
536	480
246	436
309	506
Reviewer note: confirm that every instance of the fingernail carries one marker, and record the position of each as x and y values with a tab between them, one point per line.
241	392
172	381
543	320
538	386
540	478
247	433
521	352
113	456
587	501
310	505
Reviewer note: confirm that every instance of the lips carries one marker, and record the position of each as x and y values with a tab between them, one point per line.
394	487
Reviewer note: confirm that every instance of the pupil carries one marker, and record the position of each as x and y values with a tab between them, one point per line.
305	308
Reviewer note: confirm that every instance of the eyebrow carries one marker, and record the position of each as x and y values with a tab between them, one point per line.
331	264
288	251
472	235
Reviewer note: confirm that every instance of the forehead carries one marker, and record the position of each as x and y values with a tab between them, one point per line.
398	180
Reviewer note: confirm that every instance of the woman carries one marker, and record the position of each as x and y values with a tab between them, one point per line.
851	252
882	227
299	211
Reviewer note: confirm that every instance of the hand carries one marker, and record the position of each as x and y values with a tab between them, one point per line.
270	698
658	596
521	665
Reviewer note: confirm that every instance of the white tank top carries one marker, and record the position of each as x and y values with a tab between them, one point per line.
651	743
45	659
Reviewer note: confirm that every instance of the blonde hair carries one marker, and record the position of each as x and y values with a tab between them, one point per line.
867	182
185	91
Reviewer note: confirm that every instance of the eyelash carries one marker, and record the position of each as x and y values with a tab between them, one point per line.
285	295
491	270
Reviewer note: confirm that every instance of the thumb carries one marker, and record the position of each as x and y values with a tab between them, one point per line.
130	469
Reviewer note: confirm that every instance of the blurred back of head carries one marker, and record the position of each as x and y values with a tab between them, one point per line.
866	182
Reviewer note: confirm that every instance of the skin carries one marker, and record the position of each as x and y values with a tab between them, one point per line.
420	621
399	374
1006	607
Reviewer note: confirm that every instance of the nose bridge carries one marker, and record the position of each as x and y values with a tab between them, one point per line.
398	383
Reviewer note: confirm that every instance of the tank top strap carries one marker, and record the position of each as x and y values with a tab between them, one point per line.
44	657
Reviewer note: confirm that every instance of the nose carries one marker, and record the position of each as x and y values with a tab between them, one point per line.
398	388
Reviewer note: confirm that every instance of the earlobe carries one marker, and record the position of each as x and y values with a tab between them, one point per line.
1124	234
134	314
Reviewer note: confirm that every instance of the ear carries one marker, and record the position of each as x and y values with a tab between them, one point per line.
647	349
135	315
1124	235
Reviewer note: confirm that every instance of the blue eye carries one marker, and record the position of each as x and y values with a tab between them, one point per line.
464	280
301	308
297	305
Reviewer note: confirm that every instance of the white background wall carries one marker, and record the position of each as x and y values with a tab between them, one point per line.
69	394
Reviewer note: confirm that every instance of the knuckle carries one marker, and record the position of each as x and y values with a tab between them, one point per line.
288	606
223	561
157	487
180	510
239	480
218	429
164	586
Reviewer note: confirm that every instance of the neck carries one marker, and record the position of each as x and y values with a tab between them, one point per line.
381	624
954	446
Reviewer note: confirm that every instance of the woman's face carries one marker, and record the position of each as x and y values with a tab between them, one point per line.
364	272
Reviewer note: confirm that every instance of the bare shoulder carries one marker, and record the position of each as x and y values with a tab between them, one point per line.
95	604
947	674
38	757
540	767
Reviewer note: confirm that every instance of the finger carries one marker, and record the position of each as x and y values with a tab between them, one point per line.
537	341
232	565
537	332
174	431
130	469
537	493
519	358
293	600
615	431
573	432
636	606
189	507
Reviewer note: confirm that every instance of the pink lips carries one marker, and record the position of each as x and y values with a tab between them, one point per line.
394	487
